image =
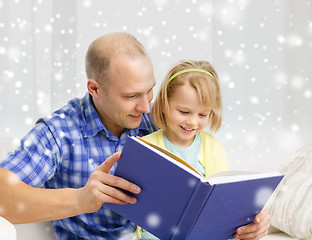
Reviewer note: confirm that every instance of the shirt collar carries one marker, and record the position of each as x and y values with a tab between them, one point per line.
94	125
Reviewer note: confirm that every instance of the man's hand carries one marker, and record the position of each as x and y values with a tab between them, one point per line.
101	185
257	229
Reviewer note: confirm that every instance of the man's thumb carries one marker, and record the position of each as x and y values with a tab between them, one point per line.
109	162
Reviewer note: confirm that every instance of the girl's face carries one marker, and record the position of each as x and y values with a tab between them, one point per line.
187	116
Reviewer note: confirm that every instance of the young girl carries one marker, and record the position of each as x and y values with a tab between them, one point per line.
188	102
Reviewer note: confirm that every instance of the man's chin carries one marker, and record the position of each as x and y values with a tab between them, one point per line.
134	123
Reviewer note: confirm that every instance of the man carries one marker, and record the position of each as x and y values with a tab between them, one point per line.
66	152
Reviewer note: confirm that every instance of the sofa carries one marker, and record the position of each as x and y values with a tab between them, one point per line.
275	234
289	206
39	231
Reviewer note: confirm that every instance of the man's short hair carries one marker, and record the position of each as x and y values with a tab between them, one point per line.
103	49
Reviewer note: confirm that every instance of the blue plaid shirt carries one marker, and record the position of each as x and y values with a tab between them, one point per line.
62	151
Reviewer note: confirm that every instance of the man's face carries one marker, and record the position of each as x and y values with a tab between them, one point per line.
130	89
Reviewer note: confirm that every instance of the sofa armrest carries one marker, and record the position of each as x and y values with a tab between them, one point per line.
7	229
273	230
276	234
35	231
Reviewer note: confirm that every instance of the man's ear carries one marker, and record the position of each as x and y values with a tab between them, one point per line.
93	88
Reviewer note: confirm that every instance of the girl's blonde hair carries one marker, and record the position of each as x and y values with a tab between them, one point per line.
206	86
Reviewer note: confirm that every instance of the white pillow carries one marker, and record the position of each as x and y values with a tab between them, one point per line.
290	206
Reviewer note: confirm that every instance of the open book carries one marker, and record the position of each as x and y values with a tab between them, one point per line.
176	202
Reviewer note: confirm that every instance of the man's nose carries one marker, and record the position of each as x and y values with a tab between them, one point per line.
143	106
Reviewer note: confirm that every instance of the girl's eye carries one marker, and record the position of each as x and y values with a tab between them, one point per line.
203	115
183	112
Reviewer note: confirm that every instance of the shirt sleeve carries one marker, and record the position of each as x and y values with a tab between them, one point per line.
37	158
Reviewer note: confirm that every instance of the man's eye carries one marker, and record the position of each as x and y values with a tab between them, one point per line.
131	96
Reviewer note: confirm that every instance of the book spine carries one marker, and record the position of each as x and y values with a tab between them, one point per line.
190	214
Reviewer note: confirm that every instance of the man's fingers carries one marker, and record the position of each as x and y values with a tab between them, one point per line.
114	181
109	162
107	185
103	187
116	196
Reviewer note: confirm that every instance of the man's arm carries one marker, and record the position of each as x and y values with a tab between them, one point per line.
257	229
21	203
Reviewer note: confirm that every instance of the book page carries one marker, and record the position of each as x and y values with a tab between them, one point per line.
236	176
221	177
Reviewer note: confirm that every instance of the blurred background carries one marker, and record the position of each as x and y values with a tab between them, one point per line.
262	51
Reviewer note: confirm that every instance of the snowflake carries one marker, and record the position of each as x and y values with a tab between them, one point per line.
153	220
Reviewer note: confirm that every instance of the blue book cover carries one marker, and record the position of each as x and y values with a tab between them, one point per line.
176	202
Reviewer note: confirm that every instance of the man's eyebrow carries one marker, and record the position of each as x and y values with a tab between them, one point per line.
137	93
130	93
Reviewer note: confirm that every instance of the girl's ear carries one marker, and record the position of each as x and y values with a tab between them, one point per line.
93	88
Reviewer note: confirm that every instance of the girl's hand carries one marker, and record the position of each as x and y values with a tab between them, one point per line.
257	229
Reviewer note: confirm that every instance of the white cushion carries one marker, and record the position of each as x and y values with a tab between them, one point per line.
290	206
